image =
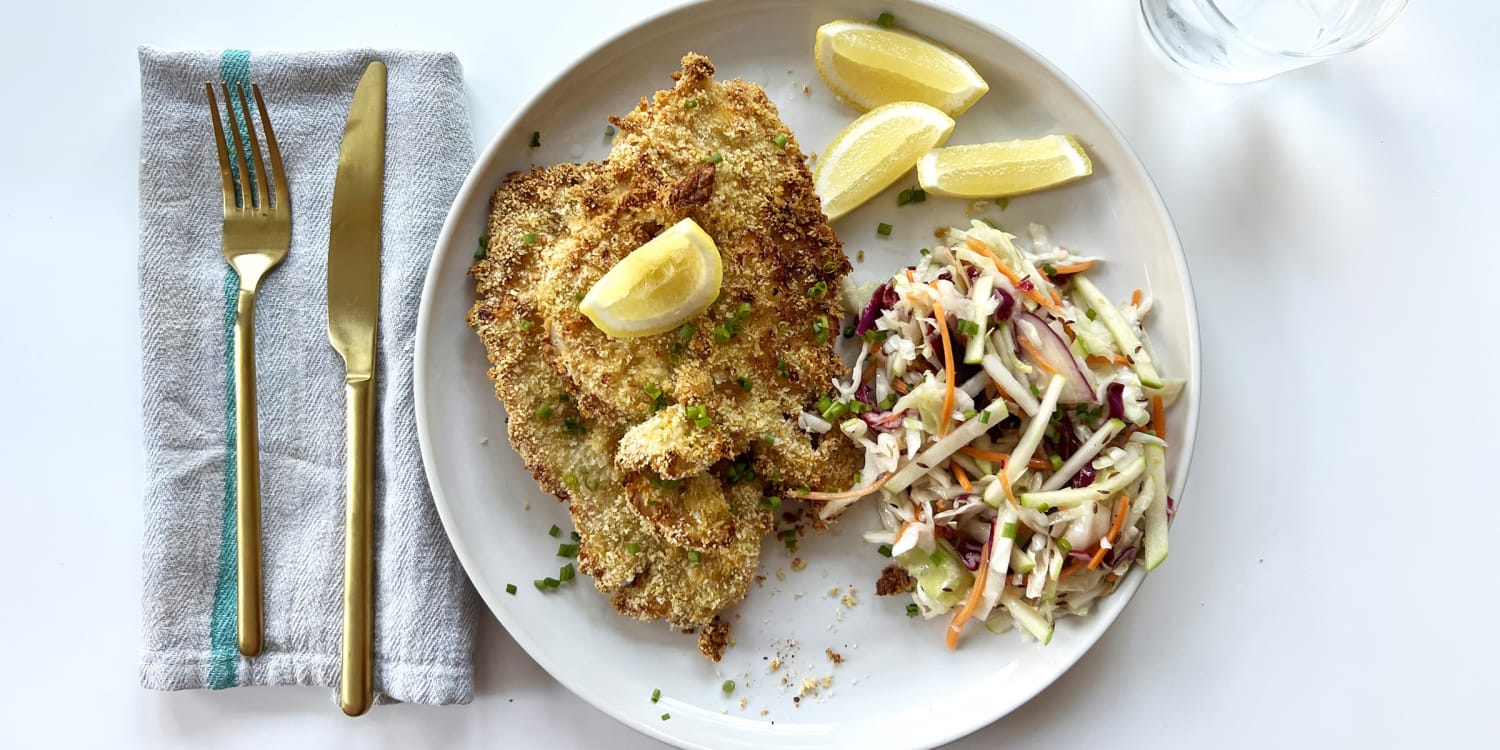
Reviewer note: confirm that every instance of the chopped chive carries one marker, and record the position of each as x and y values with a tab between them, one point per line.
768	439
609	131
968	328
529	238
820	329
592	485
823	403
551	582
665	717
876	336
653	390
633	548
510	588
694	556
858	407
554	531
721	333
937	557
526	325
565	573
572	427
912	610
925	252
903	197
714	158
702	422
970	414
685	332
694	412
728	686
817	290
574	536
780	140
1003	203
984	417
1049	269
883	229
1036	391
540	584
1008	530
781	368
563	397
836	410
885	21
1090	314
1056	461
656	695
1065	545
484	248
690	104
884	550
848	332
742	312
536	139
889	401
570	480
770	502
567	550
918	195
745	383
544	411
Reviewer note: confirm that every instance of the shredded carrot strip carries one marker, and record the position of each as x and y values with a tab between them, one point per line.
911	277
1056	299
1135	297
1095	359
1036	296
868	376
1039	463
984	455
856	492
1158	417
1072	568
1005	485
1114	531
963	479
1073	267
976	592
942	323
1036	354
898	385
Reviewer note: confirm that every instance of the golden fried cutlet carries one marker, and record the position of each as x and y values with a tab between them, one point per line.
763	351
571	454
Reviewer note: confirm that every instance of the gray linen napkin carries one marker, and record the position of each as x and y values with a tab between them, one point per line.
424	606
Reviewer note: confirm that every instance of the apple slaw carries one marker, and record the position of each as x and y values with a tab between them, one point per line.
1012	419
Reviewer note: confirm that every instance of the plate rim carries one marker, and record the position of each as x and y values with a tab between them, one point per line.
471	190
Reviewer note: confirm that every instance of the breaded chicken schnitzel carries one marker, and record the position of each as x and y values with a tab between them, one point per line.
669	507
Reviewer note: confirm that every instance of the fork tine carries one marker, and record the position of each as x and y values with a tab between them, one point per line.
262	189
224	173
239	149
283	199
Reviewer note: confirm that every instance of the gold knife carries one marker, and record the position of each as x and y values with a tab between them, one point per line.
353	306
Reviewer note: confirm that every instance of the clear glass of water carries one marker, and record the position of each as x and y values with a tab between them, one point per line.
1238	41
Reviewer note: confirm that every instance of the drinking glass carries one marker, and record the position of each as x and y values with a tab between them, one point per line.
1238	41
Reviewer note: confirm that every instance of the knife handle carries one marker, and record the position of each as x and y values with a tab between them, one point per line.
247	479
356	684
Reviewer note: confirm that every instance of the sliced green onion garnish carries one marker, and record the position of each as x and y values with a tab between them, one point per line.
889	401
820	329
565	573
742	312
609	131
1065	545
885	21
544	411
686	331
536	139
1090	314
728	686
823	403
510	588
540	584
665	717
633	548
694	556
817	290
884	550
714	158
1008	530
745	383
484	248
781	368
1056	461
918	195
554	531
984	417
848	332
780	139
574	536
721	333
912	610
567	550
570	480
529	238
770	502
1049	269
968	328
551	583
691	104
970	414
656	695
1003	203
883	229
925	252
903	197
526	325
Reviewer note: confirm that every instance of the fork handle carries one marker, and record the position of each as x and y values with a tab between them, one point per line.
356	683
247	479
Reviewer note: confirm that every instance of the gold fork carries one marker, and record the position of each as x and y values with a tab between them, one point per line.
257	233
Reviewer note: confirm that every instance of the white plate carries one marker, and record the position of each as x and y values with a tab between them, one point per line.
898	685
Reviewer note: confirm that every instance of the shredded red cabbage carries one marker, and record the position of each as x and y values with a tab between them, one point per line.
1006	307
1114	396
969	553
884	298
1084	477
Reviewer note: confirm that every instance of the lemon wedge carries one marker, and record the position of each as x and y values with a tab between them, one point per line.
671	279
868	65
874	151
991	170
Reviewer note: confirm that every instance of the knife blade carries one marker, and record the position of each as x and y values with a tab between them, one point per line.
353	310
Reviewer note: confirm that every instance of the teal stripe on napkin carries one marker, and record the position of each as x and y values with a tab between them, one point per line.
224	654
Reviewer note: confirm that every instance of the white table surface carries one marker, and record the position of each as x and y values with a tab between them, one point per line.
1331	575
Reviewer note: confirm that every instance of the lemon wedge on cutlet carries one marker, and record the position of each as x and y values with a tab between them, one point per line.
659	285
868	65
